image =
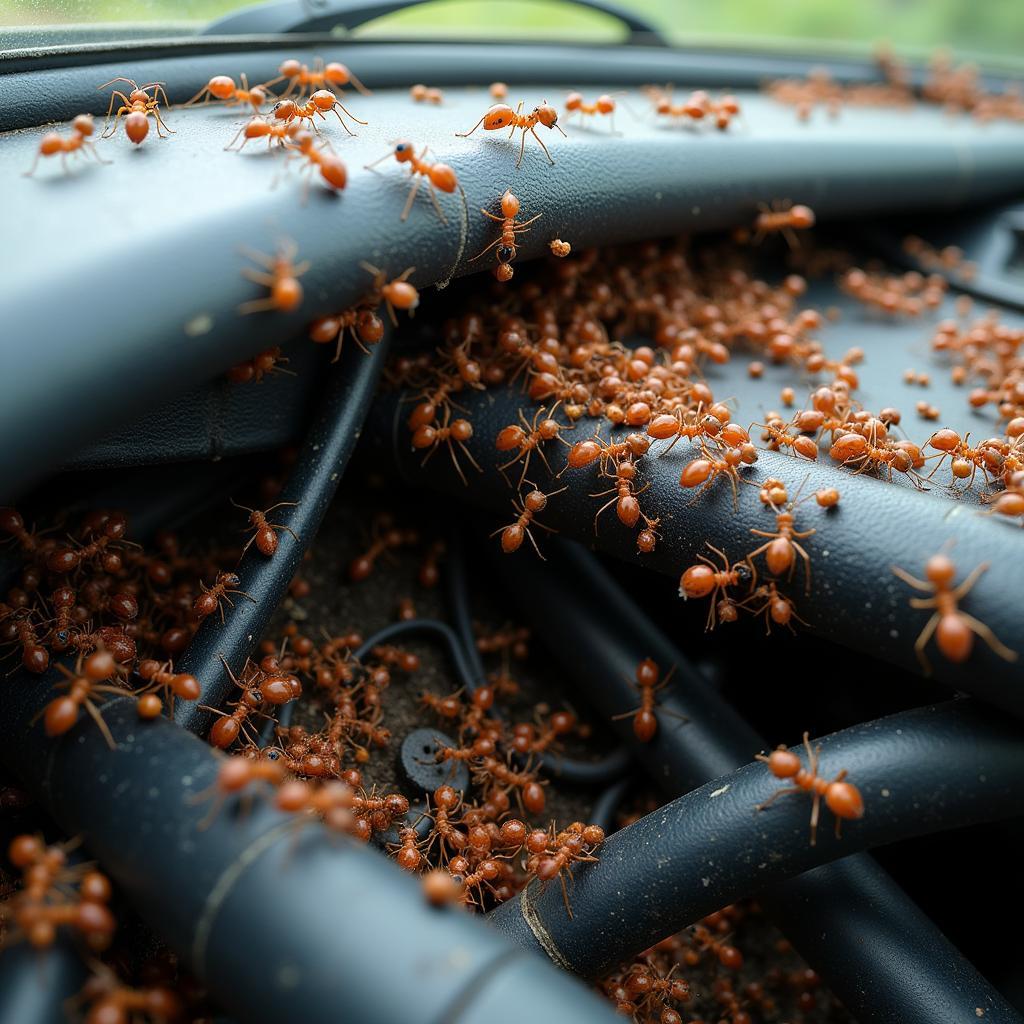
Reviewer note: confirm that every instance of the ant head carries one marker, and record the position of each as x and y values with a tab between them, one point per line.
501	115
403	151
290	68
546	114
83	124
940	570
138	96
574	101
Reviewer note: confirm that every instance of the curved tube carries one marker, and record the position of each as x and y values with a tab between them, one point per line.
312	483
337	904
921	771
908	971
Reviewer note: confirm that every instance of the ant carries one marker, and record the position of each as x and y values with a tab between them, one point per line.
223	88
952	627
528	438
856	448
281	277
583	453
459	431
965	460
604	105
512	535
316	106
34	656
137	105
501	115
259	366
506	241
265	538
407	852
647	538
365	325
89	679
332	167
843	799
783	218
443	830
574	844
437	175
708	469
12	522
776	607
171	684
53	143
260	128
627	507
114	1003
645	718
705	578
782	547
777	436
209	600
297	74
424	94
237	772
395	294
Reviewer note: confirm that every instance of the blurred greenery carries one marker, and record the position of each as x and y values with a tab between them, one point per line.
913	27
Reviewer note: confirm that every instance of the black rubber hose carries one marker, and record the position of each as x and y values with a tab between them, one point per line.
907	971
315	951
314	479
920	771
605	806
854	597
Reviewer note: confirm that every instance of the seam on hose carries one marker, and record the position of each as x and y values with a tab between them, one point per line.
540	933
223	886
484	976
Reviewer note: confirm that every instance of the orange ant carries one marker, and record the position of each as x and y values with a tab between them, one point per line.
506	241
528	438
265	538
856	448
114	1003
705	578
645	717
237	772
395	294
316	106
223	88
281	276
137	105
705	471
422	94
170	684
965	460
332	167
88	680
53	143
443	830
365	326
952	627
784	218
259	366
501	115
301	75
574	844
512	535
776	607
260	128
583	453
407	852
459	431
782	547
647	538
843	799
627	507
437	175
209	600
777	436
604	105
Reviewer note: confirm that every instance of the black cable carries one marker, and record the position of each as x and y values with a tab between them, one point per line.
336	904
603	811
314	479
572	594
919	772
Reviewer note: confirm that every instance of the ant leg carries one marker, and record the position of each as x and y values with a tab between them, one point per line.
815	813
607	504
348	113
160	123
412	195
257	276
775	796
526	223
497	241
534	543
35	164
463	135
922	641
437	205
807	564
256	306
912	580
522	149
989	637
565	895
98	719
237	134
337	114
968	583
533	132
469	455
500	220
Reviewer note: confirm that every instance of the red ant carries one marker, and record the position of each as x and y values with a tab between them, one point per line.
952	627
776	607
647	538
645	718
627	507
236	773
512	535
843	799
334	74
169	683
583	453
365	325
19	629
265	538
407	852
705	578
966	461
506	241
501	116
777	436
782	547
137	105
223	88
114	1003
316	106
443	830
392	537
708	469
209	600
111	531
88	680
259	366
12	522
332	167
258	128
437	175
528	438
574	844
281	277
604	105
53	143
424	94
783	218
395	294
459	431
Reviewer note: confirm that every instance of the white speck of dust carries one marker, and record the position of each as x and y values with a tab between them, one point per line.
867	604
658	196
719	792
198	325
899	732
706	881
696	211
894	633
186	780
153	792
825	553
886	792
983	778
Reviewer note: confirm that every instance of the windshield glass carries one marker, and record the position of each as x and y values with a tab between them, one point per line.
912	27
